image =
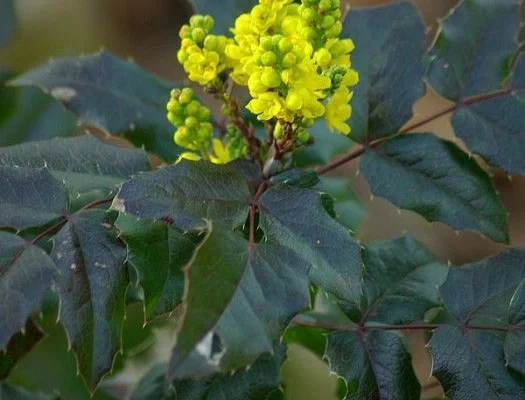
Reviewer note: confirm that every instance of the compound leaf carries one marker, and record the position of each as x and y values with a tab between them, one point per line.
437	180
390	43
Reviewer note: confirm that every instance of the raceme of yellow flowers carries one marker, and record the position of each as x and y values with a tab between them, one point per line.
290	57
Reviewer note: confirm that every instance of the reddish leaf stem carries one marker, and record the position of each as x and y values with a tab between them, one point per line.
406	327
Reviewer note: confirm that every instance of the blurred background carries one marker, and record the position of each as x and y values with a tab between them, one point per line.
146	30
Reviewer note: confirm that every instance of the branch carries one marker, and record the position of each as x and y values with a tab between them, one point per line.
406	327
357	153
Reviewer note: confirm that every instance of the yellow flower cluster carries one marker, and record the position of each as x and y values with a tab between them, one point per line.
202	54
194	130
295	66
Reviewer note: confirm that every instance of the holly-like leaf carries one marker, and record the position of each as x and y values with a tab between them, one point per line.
295	218
114	95
471	366
401	281
495	127
468	358
326	145
28	114
224	12
11	392
260	381
515	340
252	291
91	283
30	197
437	180
390	43
19	345
7	21
375	365
347	207
474	47
26	272
157	252
82	163
187	194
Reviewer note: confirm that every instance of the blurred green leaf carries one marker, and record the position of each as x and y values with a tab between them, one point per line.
474	47
437	180
158	252
7	21
27	114
224	12
390	42
10	392
19	345
494	127
91	284
375	365
240	298
114	95
26	272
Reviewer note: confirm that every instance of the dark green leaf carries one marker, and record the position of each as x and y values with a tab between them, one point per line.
111	94
295	218
375	365
389	46
240	297
437	180
7	21
401	281
91	284
187	193
157	252
19	345
224	12
82	163
261	381
325	147
28	114
296	177
348	208
311	339
10	392
30	197
473	49
515	340
26	272
495	127
480	292
471	365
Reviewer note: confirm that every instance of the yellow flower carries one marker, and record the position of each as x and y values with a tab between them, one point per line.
266	106
338	110
221	154
188	155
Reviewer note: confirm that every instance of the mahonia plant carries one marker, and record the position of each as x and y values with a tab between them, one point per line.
222	225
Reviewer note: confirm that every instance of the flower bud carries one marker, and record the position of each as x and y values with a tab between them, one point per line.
271	78
303	136
269	58
191	122
285	45
186	96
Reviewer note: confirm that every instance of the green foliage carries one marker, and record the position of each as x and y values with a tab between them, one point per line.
438	181
7	21
390	65
114	95
249	257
